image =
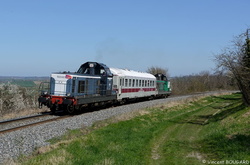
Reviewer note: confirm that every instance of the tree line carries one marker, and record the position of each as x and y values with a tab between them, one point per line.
201	82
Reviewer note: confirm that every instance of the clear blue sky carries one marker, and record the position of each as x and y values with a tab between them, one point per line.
38	37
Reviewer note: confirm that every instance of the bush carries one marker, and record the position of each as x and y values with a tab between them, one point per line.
14	98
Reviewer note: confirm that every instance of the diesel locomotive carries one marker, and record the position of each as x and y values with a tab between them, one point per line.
95	84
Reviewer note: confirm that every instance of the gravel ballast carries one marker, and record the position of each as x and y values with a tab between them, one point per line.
25	141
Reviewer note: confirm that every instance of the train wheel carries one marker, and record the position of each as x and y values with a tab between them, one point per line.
70	109
53	109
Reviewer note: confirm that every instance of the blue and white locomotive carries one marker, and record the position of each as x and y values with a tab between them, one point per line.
96	84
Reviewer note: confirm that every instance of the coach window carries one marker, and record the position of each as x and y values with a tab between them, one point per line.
136	83
142	83
122	82
126	82
148	83
139	83
133	83
129	83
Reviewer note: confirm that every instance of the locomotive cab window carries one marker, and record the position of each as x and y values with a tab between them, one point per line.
81	87
73	85
98	83
102	72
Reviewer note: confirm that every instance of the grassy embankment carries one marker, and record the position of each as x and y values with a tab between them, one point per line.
215	128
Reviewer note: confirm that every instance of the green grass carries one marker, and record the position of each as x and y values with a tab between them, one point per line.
215	128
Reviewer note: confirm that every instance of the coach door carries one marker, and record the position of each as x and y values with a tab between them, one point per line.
121	83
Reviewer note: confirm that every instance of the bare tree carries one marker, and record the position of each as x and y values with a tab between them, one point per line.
155	70
235	60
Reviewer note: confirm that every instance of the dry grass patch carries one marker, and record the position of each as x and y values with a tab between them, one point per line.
49	148
24	112
247	114
176	103
196	155
61	157
106	161
116	119
129	115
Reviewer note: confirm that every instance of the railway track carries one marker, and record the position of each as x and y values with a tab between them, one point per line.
21	123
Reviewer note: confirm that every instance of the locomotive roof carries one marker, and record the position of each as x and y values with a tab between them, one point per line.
131	73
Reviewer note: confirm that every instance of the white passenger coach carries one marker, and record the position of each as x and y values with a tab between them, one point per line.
132	84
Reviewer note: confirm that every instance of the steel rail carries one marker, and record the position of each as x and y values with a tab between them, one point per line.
33	124
24	118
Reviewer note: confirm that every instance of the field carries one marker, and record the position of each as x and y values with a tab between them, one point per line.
208	131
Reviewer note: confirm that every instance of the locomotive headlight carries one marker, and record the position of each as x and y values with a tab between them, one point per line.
45	93
68	94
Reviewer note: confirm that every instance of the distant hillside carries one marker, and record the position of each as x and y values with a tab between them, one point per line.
34	78
22	81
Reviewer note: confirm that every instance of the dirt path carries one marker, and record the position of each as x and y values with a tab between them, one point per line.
176	144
